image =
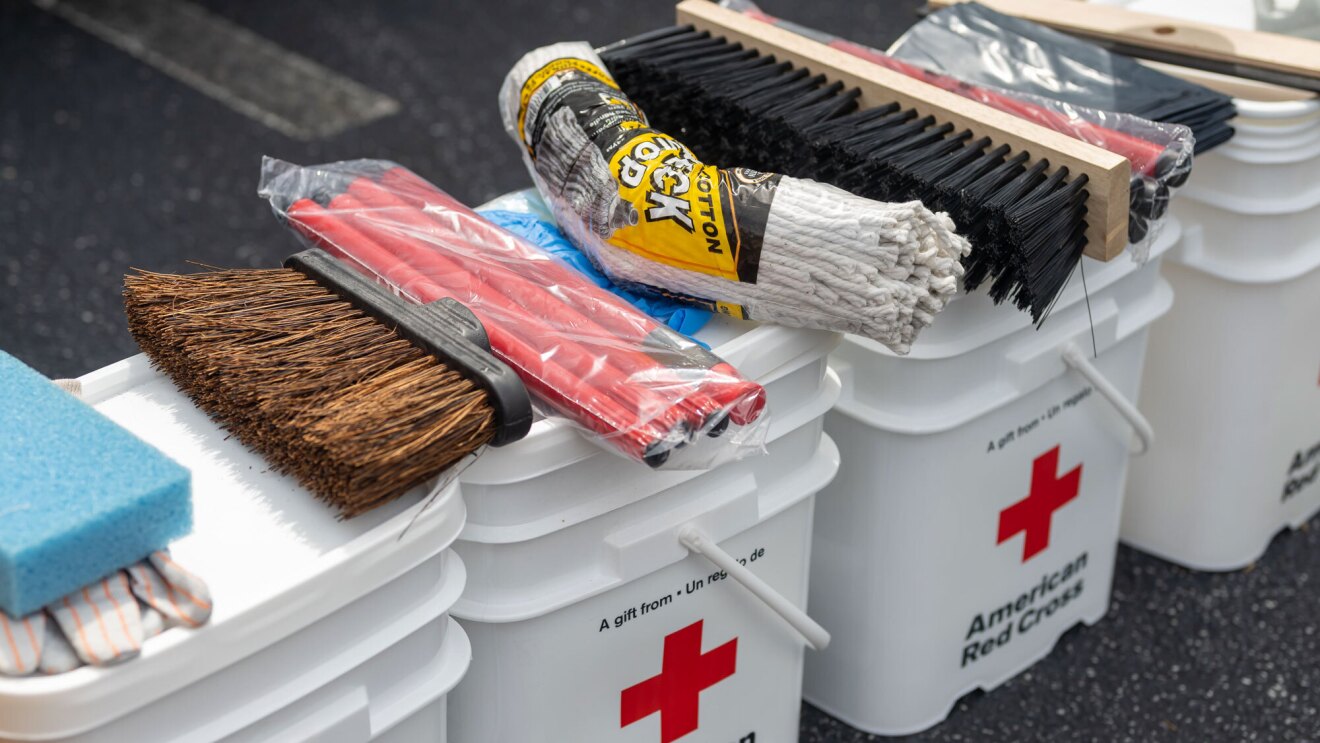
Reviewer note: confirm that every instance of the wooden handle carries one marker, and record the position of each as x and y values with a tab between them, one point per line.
1286	54
1108	174
1252	90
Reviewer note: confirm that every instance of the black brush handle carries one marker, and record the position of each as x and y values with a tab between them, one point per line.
445	329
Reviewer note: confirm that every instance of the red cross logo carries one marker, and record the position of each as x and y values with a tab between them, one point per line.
675	693
1034	513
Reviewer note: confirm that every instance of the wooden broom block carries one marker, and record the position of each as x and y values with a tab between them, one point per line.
1287	54
1109	174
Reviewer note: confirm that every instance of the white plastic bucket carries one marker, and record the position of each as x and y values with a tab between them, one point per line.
590	618
1233	378
322	629
975	517
1270	167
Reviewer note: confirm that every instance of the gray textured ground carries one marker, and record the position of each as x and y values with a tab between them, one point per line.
106	163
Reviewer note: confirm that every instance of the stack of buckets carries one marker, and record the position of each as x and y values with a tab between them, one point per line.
1233	379
322	629
976	512
589	618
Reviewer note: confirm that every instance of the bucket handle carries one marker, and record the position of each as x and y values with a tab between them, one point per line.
700	543
1077	361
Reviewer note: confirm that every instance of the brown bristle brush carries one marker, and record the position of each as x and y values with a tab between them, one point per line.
358	394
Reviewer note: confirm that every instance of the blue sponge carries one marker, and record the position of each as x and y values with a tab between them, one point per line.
80	497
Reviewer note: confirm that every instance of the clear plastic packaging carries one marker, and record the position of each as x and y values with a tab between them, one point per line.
627	381
982	46
1160	153
737	241
524	214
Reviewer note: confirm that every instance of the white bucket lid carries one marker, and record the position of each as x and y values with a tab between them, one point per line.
275	558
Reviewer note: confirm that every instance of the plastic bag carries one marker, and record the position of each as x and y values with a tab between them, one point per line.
628	381
1160	154
985	47
749	244
522	216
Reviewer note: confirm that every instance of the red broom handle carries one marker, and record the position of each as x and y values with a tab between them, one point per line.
607	309
553	382
542	318
1143	154
744	399
634	406
523	278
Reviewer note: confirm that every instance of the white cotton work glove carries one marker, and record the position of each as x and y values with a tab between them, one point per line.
106	622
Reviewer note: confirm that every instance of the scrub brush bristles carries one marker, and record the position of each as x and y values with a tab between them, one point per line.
324	392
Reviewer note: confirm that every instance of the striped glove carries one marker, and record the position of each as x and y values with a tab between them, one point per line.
104	623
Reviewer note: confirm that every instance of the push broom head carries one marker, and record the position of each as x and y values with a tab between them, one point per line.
1026	225
358	394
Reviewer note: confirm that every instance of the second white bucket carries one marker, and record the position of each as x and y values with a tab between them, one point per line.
1233	379
975	516
594	607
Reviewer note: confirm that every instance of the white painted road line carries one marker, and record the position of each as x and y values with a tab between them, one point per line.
252	75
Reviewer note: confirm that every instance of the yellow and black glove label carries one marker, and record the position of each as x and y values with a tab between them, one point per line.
689	214
686	216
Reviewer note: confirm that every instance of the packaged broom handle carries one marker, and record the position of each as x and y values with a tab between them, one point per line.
587	356
744	243
742	399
